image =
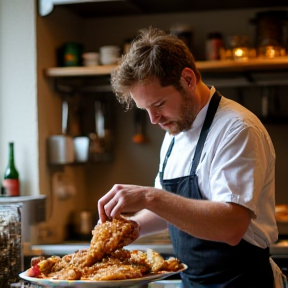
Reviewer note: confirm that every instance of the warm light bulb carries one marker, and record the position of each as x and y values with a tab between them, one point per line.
241	54
238	52
270	52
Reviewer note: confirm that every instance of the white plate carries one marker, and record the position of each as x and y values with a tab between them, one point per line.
98	284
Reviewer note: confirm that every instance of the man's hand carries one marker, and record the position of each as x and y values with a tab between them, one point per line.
122	199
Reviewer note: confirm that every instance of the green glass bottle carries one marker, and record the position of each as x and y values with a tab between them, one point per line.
11	176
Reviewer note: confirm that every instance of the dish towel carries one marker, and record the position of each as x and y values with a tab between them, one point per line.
280	280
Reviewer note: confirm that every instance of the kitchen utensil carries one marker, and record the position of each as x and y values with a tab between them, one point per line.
65	117
96	149
99	119
81	147
61	147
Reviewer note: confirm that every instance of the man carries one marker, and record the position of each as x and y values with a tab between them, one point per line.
215	187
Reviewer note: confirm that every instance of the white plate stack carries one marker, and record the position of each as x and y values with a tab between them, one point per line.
109	54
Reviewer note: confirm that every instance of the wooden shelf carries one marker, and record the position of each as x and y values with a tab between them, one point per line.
100	70
257	64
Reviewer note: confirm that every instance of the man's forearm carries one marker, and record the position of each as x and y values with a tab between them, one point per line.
149	222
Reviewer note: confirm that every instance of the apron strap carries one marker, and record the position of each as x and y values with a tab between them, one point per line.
212	108
167	156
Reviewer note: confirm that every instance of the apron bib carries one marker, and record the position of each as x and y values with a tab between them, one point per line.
210	263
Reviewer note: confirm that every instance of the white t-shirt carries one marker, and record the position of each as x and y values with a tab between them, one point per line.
237	165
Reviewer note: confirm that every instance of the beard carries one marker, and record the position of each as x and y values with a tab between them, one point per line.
188	112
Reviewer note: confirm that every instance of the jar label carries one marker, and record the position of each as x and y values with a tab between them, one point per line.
11	187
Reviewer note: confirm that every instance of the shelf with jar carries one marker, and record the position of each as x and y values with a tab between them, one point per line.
253	64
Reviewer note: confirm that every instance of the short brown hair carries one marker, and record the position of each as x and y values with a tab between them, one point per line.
152	53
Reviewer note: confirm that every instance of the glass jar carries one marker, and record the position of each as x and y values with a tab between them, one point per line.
240	46
11	257
214	45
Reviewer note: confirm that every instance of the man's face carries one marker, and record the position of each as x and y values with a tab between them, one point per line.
172	110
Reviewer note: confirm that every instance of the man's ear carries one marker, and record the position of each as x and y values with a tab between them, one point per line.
189	77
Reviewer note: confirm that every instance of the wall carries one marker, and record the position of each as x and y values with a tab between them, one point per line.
135	164
18	91
52	32
98	32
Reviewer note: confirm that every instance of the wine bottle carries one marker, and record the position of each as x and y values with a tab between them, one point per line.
11	176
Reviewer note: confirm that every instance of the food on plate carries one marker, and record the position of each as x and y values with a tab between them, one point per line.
109	236
105	259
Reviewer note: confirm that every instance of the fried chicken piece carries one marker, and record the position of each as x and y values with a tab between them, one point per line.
171	264
68	273
139	257
154	261
46	265
121	254
77	259
110	236
117	272
90	272
116	258
119	258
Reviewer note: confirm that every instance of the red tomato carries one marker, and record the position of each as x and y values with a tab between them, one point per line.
33	271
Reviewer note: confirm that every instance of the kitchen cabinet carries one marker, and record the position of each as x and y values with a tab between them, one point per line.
104	8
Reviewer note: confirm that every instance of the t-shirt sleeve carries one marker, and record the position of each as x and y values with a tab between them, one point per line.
240	167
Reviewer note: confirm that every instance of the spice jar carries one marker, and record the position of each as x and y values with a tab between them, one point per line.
214	46
240	45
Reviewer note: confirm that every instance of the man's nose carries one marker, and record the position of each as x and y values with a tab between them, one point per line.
154	117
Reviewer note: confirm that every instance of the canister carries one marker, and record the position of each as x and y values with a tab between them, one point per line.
70	54
214	45
183	32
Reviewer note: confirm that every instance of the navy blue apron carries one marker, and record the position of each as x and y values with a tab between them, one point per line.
210	263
